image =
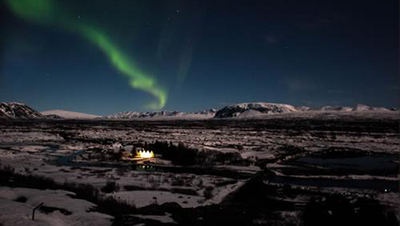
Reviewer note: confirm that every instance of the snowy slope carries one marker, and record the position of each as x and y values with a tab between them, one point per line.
69	114
14	110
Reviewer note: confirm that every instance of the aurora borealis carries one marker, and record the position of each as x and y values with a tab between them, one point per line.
138	79
106	56
48	12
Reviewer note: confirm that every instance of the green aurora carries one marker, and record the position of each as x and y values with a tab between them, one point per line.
47	12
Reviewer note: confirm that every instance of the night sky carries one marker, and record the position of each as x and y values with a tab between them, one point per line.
108	56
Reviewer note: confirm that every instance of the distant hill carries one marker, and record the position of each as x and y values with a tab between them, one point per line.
14	110
247	110
68	114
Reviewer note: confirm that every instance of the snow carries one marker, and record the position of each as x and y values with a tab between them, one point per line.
228	189
39	160
145	198
69	114
20	213
166	219
257	154
34	150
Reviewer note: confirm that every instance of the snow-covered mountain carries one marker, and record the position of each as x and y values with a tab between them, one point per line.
68	114
242	110
358	108
14	110
206	114
246	110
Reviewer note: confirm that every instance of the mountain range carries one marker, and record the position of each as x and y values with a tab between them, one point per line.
14	110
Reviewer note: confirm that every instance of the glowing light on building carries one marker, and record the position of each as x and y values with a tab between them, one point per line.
144	154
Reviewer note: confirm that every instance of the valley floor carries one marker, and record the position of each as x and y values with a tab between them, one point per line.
280	165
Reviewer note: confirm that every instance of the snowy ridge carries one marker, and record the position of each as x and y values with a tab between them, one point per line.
14	110
68	114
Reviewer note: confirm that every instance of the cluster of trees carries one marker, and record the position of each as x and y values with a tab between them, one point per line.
178	154
182	155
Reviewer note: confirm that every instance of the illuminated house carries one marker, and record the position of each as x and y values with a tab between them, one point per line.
137	155
144	154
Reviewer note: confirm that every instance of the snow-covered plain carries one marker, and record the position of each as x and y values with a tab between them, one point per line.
36	147
149	187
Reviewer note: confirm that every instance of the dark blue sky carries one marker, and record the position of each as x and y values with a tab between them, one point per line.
207	54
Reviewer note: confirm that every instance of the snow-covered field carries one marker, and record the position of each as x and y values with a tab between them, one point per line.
149	187
38	148
16	205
